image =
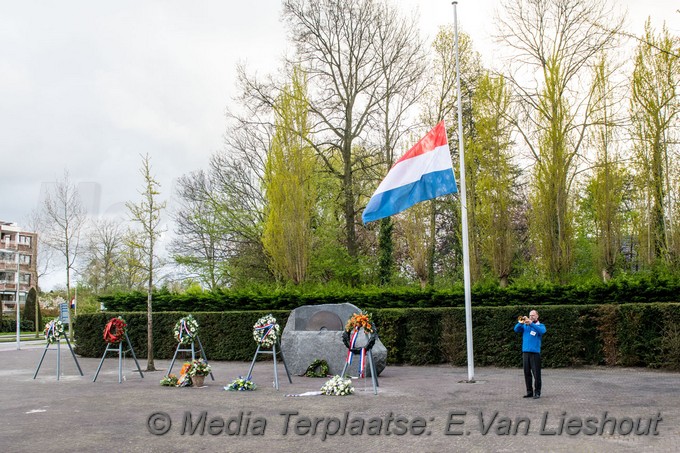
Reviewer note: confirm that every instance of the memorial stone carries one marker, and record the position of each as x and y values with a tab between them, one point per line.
315	332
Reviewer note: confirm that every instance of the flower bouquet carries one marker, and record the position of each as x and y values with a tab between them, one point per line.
358	321
169	381
241	384
199	368
337	386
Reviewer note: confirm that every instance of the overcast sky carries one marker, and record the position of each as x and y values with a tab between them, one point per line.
90	85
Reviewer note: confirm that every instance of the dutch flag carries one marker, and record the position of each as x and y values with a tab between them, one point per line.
423	173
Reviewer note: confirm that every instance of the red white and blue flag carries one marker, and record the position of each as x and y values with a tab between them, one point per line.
423	173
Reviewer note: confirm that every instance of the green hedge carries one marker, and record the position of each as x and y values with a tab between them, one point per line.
225	335
630	290
10	325
627	334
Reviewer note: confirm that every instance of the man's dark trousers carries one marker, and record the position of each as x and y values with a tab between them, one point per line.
532	365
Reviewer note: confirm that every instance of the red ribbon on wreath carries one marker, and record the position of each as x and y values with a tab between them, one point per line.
114	330
350	353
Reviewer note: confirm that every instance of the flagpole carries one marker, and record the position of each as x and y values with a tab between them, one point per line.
463	209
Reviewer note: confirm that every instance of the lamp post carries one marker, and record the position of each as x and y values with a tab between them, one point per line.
17	297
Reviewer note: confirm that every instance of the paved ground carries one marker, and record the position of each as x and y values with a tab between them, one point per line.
413	411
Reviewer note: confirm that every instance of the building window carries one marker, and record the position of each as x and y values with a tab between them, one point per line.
26	279
26	240
7	277
6	239
7	257
25	259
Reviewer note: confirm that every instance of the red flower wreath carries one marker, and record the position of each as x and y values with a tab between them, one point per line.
114	330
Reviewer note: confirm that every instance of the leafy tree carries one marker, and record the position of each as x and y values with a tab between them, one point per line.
290	187
418	240
496	178
654	110
32	310
147	213
606	185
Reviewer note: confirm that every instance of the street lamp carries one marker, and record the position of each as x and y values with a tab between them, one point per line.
17	297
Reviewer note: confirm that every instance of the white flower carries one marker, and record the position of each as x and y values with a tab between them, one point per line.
266	337
337	385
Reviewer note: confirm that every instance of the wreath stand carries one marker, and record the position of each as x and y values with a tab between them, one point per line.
58	357
273	352
110	347
369	356
193	354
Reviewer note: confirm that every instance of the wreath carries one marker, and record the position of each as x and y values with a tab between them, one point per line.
186	329
115	330
354	324
266	331
54	331
320	365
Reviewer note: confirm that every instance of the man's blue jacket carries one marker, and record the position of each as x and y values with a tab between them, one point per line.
531	336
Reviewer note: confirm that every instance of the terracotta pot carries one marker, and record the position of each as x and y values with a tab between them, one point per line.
198	381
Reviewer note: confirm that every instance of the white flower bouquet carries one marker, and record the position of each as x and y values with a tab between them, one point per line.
337	386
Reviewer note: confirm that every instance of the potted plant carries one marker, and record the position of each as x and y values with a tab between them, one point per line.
198	370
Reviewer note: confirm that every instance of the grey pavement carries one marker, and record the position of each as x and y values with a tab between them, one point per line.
424	409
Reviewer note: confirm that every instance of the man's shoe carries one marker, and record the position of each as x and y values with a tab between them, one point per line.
528	395
537	395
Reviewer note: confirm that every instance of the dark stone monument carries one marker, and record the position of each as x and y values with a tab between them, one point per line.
315	332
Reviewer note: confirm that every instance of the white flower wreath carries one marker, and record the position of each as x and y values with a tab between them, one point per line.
186	329
337	386
266	331
54	330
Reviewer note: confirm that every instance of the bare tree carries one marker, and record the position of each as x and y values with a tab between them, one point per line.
402	63
66	217
38	223
553	43
147	213
439	103
103	253
199	246
336	43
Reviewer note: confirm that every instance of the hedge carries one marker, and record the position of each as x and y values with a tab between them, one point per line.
627	334
638	290
10	325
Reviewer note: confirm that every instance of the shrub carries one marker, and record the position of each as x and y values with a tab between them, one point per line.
576	335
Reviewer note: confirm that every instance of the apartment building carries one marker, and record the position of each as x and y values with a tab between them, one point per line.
13	242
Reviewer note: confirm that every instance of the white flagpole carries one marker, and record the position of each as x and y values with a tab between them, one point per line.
463	209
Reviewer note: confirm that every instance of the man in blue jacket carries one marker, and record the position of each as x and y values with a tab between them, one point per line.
532	333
